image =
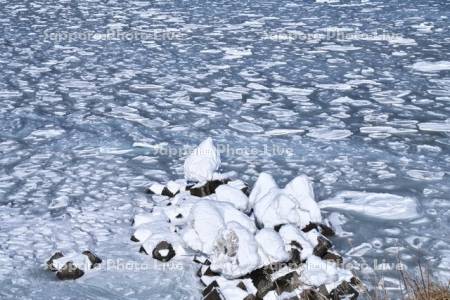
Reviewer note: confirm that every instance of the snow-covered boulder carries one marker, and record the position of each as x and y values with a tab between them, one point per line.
271	247
232	195
201	164
72	265
235	251
269	244
207	219
294	204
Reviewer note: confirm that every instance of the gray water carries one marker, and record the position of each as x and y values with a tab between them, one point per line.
86	124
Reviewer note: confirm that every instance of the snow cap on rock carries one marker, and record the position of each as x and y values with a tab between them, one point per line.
235	251
201	164
294	204
263	185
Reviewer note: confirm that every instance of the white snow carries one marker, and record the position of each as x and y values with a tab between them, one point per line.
295	204
234	196
317	272
291	233
156	188
201	164
235	251
272	246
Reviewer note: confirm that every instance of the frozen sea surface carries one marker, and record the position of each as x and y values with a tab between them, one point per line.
356	94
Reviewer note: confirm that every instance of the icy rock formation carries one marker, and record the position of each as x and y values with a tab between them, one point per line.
270	244
201	164
73	265
294	204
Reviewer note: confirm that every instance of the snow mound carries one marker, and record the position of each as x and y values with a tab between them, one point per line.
201	164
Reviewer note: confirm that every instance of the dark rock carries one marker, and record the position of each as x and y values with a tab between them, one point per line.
296	245
309	227
287	283
311	295
201	260
50	266
142	250
262	282
179	216
344	289
134	239
242	286
207	189
163	246
250	297
213	295
199	272
167	192
324	291
209	272
322	228
333	257
296	259
212	286
326	230
356	282
94	259
246	190
69	271
273	267
322	247
277	227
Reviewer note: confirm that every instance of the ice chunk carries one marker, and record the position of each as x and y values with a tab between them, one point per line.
427	66
376	205
246	127
201	164
329	134
434	126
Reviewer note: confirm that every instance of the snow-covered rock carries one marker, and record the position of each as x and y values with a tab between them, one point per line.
201	164
234	196
72	265
250	247
294	204
290	233
271	246
207	218
235	251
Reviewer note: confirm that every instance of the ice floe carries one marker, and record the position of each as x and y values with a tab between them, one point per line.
375	205
427	67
